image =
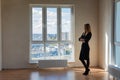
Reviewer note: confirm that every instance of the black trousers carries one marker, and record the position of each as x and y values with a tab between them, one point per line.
85	62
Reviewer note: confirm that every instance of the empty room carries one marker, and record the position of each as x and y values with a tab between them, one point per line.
59	40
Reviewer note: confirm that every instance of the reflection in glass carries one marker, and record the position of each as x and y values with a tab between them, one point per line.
36	24
37	51
51	24
66	23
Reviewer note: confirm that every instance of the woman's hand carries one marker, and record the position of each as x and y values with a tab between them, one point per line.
82	40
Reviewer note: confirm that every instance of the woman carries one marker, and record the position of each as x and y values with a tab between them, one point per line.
84	54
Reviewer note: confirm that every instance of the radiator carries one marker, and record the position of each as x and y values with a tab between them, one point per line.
52	63
114	71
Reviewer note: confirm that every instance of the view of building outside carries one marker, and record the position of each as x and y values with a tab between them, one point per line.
45	43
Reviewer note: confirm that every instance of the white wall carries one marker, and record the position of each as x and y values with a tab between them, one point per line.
0	40
105	32
15	27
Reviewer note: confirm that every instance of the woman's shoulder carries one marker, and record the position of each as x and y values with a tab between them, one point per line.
89	33
83	33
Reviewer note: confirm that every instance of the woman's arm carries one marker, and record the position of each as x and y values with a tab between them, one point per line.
88	37
82	37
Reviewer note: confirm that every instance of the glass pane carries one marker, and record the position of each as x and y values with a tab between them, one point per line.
51	24
117	52
37	51
117	22
52	51
66	23
66	51
37	24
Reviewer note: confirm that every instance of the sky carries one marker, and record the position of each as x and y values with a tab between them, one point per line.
51	20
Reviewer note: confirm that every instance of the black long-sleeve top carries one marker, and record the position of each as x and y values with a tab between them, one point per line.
86	37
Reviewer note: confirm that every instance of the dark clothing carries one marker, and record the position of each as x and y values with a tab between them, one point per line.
84	53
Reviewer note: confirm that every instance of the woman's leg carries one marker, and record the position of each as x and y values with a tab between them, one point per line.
83	62
87	67
88	63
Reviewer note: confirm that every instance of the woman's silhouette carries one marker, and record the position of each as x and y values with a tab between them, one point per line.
84	53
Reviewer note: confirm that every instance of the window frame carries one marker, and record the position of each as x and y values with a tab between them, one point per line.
44	28
115	43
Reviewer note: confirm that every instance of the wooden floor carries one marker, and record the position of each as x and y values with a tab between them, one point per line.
53	74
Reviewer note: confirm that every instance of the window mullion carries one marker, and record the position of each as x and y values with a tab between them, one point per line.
72	25
59	23
44	22
59	28
44	29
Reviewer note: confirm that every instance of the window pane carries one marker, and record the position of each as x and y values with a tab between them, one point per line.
117	22
66	23
66	51
37	51
117	34
51	24
117	52
52	51
37	24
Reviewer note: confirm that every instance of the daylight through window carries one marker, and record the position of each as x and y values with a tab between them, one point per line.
52	33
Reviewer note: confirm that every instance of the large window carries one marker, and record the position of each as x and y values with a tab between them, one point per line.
117	33
52	33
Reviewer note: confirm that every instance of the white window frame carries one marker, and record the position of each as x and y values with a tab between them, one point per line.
44	41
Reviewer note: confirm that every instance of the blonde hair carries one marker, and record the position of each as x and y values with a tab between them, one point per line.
87	28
